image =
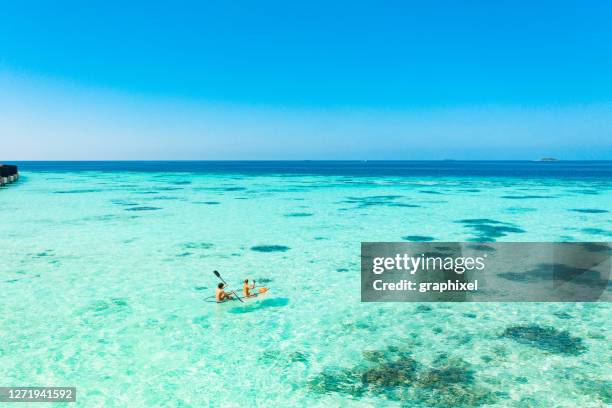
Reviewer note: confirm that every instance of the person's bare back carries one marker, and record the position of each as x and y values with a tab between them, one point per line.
220	294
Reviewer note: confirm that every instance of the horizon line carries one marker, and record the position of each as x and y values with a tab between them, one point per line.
305	160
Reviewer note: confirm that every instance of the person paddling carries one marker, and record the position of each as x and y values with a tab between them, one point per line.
246	288
221	295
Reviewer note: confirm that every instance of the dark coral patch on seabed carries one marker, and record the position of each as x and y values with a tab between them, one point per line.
395	375
169	188
402	205
546	338
124	203
596	231
84	191
524	197
476	221
143	208
589	210
197	245
520	210
381	200
488	229
418	238
167	198
270	248
559	273
480	247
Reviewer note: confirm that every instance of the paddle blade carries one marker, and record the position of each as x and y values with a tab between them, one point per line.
218	275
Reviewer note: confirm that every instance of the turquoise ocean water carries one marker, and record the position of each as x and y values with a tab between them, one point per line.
105	267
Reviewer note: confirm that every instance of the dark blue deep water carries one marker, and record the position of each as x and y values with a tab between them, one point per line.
557	169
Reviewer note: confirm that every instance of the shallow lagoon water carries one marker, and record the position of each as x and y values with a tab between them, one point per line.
104	275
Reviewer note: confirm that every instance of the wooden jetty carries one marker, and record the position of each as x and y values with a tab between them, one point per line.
8	174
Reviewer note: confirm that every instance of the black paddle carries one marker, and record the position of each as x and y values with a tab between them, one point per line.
218	275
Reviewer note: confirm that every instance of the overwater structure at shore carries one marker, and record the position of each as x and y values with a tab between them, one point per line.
8	174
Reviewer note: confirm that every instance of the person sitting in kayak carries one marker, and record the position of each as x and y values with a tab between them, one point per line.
246	289
221	295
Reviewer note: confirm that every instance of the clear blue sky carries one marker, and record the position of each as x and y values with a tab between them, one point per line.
367	73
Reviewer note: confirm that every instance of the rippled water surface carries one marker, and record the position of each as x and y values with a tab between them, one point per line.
104	274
